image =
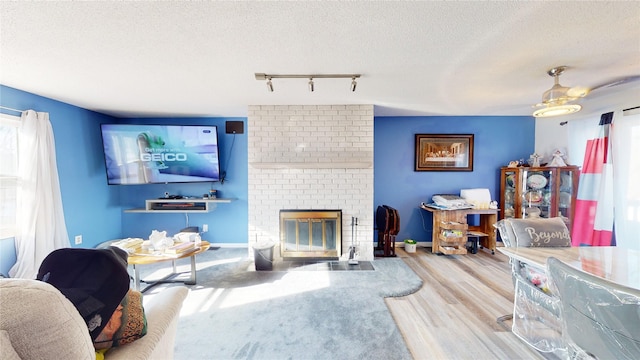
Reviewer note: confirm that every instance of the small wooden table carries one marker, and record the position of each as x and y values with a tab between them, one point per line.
485	231
146	258
619	265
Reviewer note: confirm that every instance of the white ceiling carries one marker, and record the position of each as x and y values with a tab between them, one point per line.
416	58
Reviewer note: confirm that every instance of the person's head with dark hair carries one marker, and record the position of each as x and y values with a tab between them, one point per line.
94	280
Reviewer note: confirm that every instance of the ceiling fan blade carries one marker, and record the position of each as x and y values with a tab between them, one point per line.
578	91
616	82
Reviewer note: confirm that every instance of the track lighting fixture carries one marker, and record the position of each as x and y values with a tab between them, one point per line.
268	77
269	85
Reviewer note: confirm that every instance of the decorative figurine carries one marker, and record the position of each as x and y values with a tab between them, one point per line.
558	158
535	160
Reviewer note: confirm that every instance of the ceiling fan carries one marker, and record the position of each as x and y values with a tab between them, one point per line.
558	100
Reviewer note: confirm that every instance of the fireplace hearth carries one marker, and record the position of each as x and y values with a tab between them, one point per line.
310	234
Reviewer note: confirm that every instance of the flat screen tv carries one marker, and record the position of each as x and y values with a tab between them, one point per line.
160	154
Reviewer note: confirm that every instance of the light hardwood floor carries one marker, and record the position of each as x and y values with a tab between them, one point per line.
453	315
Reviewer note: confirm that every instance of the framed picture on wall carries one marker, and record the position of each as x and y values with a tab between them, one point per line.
444	152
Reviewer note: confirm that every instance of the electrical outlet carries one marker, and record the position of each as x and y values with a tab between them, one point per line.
78	239
205	227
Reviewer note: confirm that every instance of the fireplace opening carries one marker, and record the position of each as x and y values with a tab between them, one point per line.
310	234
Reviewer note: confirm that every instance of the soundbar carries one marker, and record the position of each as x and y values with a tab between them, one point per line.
178	206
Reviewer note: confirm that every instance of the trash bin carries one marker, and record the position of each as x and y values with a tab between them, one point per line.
263	255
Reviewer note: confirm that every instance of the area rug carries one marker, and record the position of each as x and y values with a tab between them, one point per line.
235	312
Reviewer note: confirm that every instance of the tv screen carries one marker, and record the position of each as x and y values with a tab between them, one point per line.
153	154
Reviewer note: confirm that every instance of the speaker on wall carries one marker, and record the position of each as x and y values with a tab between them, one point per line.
234	127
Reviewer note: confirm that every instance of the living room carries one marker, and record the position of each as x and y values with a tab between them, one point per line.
95	210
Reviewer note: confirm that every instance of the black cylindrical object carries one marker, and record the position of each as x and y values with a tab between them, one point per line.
263	256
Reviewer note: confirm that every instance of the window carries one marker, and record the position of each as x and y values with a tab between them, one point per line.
626	177
8	174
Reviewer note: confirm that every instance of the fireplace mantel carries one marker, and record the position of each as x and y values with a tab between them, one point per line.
311	165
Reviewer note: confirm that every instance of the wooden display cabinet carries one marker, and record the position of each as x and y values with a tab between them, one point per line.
530	192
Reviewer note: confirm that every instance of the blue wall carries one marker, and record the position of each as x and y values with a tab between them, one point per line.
227	223
96	210
497	140
91	208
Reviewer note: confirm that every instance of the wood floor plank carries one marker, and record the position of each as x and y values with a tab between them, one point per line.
453	315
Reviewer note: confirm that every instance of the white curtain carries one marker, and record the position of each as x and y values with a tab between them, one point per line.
40	220
625	141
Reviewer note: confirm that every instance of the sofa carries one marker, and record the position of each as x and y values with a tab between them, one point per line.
38	322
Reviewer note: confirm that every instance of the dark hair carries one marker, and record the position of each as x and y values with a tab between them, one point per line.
94	280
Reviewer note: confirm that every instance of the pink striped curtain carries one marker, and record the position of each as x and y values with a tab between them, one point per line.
593	221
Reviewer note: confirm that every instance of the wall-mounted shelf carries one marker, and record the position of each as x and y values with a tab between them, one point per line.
312	165
188	205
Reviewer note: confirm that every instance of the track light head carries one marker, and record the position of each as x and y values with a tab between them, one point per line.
268	77
269	85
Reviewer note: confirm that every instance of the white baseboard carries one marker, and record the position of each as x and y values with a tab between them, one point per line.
375	244
401	244
230	245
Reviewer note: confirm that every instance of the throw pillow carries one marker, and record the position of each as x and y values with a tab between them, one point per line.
128	323
541	232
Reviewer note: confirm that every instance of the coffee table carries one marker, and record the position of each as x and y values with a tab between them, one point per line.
148	257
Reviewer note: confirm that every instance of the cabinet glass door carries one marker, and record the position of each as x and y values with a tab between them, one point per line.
509	196
537	186
565	195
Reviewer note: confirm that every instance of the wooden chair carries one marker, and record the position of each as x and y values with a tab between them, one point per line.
388	226
600	319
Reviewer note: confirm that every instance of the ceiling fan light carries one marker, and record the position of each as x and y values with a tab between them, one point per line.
557	95
557	110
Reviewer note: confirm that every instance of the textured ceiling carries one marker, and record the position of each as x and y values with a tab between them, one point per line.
416	58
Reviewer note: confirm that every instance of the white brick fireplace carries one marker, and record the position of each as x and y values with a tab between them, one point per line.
311	157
